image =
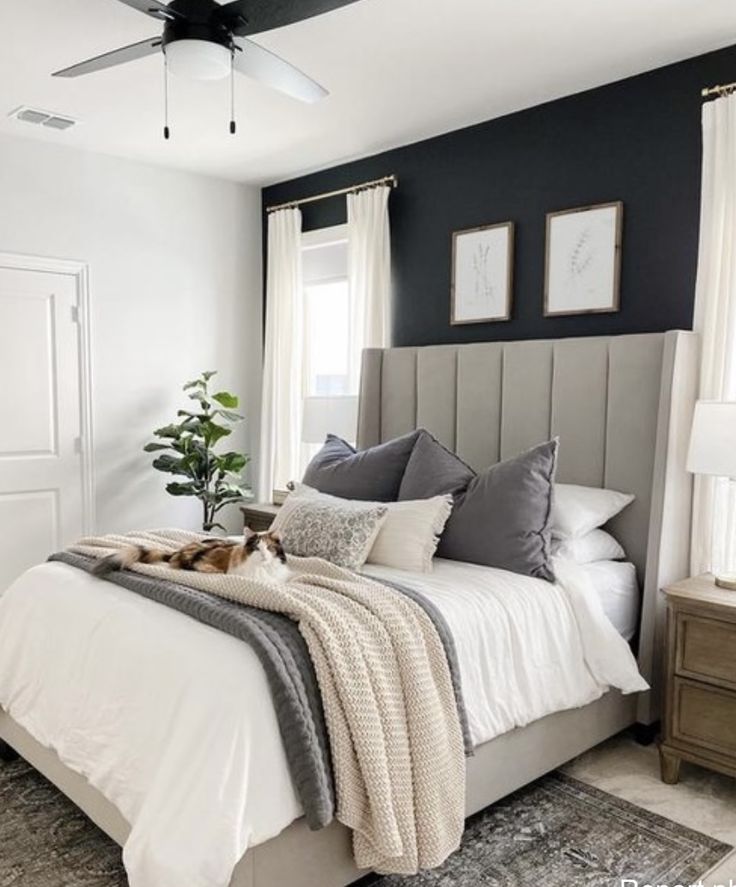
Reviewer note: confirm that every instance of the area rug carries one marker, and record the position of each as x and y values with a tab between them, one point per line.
557	832
45	841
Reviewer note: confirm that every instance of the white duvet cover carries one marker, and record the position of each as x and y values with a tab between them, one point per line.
617	588
173	722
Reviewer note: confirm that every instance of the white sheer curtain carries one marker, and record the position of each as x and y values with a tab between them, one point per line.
281	407
369	294
369	274
715	320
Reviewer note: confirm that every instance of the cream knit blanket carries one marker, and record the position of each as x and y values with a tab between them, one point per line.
395	735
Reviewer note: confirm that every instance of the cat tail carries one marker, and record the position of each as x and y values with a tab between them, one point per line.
124	560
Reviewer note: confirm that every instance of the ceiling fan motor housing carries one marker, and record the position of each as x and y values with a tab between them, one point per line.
199	20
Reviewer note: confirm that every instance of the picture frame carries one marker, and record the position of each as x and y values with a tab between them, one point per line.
582	269
482	274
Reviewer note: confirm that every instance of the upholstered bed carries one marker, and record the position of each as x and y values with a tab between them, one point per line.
621	408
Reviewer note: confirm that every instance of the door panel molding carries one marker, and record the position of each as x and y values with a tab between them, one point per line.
51	497
79	272
50	434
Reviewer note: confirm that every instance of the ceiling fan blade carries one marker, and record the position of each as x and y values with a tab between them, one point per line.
246	17
110	59
266	67
153	8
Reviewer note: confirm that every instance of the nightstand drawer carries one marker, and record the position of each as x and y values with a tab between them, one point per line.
706	649
704	716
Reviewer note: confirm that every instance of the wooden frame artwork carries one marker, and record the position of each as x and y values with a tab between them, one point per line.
482	274
582	268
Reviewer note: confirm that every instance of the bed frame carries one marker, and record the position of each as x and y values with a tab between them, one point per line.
621	407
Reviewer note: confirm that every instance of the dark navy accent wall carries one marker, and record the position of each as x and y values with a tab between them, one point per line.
637	140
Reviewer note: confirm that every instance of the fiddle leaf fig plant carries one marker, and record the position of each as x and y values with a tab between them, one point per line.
186	449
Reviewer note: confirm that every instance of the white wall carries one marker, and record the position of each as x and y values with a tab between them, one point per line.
175	288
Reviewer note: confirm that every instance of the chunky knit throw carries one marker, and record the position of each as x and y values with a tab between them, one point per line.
395	735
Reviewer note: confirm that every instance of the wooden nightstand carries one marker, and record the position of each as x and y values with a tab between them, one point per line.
700	704
259	516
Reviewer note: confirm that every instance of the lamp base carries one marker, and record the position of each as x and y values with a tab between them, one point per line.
727	580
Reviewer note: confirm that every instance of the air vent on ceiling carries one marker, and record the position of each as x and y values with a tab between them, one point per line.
43	118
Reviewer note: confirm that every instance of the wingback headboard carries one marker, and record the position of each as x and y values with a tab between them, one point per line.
621	406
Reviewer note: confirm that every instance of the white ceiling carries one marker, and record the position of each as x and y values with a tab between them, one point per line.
397	70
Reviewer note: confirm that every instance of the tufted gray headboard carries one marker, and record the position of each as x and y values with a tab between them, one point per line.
621	406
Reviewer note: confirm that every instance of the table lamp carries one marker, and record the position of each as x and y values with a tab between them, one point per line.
713	451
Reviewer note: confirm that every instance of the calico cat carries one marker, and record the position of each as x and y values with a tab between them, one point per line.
259	555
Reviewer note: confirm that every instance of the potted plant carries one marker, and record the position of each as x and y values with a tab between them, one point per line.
187	449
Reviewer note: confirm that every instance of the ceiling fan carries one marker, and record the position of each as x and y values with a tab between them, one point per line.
204	40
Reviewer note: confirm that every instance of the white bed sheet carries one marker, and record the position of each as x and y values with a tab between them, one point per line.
173	721
617	588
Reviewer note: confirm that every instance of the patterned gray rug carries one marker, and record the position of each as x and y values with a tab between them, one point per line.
557	832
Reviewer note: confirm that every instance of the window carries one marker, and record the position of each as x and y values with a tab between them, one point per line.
326	318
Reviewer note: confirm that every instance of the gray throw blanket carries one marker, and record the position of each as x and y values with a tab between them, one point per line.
283	653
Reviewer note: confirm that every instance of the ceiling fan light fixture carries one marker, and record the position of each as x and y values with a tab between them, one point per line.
198	59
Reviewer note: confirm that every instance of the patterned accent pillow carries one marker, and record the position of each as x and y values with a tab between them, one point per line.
341	533
408	537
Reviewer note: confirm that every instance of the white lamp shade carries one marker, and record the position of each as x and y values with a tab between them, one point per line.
198	59
713	439
329	415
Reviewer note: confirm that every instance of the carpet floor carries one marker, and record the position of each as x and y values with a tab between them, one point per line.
557	832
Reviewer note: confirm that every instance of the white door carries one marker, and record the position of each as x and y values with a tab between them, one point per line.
41	488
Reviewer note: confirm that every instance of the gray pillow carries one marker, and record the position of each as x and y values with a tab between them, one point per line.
373	475
433	470
502	517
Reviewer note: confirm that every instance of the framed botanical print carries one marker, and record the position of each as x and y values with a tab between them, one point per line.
482	272
583	260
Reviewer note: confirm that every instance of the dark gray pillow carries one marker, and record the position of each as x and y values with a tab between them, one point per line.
373	474
503	517
433	470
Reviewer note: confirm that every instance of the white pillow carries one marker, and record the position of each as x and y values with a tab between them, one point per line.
578	510
408	537
598	545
